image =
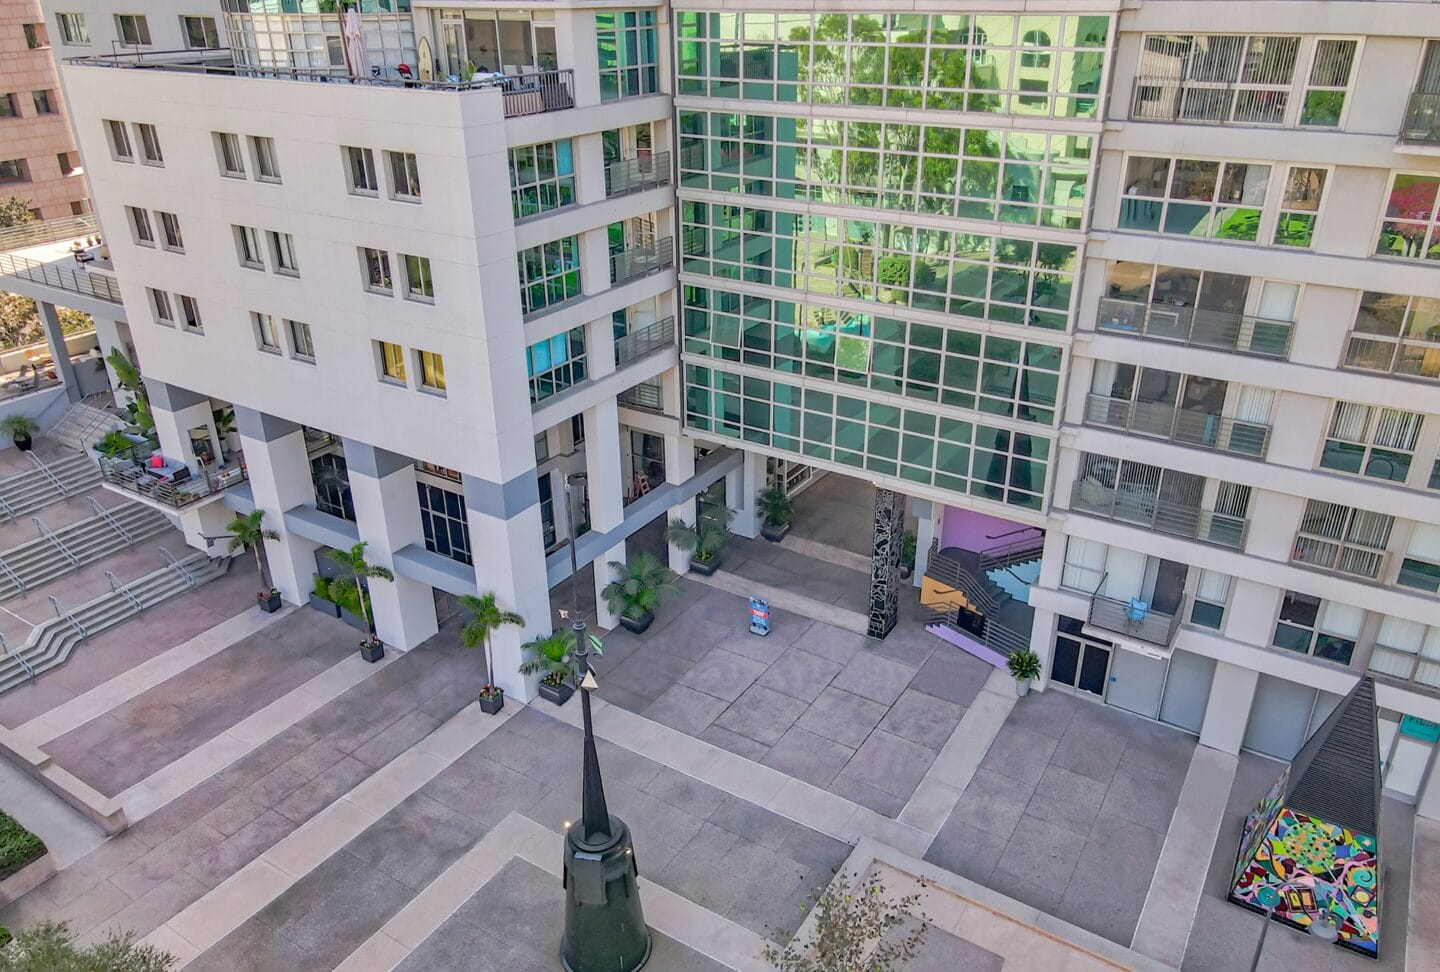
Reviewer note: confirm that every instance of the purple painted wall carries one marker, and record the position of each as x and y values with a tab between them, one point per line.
969	530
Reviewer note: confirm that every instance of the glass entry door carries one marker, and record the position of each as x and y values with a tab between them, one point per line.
1079	662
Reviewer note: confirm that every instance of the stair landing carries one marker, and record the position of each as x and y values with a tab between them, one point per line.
967	644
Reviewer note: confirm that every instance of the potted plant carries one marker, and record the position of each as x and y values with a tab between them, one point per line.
1024	665
636	590
776	510
20	428
553	655
907	554
705	542
485	617
355	567
248	533
322	599
226	429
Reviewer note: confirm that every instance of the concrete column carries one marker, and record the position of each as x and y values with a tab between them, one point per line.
1429	803
595	260
927	528
605	484
55	339
589	168
506	532
1228	711
600	347
107	332
885	561
604	617
387	515
742	489
1042	643
278	469
178	410
679	468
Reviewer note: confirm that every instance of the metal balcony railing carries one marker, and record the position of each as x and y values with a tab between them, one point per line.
1338	557
638	343
172	484
47	231
1124	618
1174	99
1218	330
633	175
1405	667
638	261
60	277
537	93
1181	426
646	395
1402	357
1143	508
1422	119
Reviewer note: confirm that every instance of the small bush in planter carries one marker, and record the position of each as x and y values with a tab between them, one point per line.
356	568
705	542
247	532
553	655
907	553
486	615
636	589
49	947
115	444
1024	666
20	428
776	511
321	598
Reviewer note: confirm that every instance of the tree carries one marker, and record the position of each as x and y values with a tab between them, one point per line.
247	533
485	617
358	569
47	947
129	377
852	931
20	321
16	212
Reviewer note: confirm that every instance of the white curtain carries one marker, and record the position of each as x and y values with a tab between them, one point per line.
1253	404
1278	300
1213	587
1084	564
1397	429
1341	619
1425	543
1349	421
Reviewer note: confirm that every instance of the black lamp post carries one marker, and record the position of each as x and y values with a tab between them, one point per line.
604	925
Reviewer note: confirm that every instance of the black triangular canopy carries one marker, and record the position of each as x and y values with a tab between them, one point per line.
1336	774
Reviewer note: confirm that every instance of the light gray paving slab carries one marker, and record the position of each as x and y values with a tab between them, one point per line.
723	674
872	677
843	717
761	714
800	674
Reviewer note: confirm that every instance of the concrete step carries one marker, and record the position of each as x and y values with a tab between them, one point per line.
39	561
33	490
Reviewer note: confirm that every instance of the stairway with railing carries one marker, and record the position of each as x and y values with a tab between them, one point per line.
71	473
83	423
990	624
56	553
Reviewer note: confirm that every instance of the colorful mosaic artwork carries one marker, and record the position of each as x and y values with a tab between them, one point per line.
1299	850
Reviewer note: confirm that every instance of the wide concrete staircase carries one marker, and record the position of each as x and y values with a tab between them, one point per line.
85	422
56	553
51	642
69	475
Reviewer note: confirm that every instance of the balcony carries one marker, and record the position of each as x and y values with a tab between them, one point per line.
169	484
1217	330
646	396
1338	557
1422	120
1174	99
62	274
1200	430
1141	507
1133	619
640	261
646	340
637	175
1402	357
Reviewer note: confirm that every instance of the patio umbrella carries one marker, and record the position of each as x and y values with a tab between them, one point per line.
353	35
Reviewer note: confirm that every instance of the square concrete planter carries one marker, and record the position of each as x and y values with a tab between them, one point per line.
559	694
372	651
637	625
323	606
269	603
705	569
493	703
775	533
26	879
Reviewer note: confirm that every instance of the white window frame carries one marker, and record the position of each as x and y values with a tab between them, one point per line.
208	29
267	333
169	221
73	31
422	290
401	380
406	166
300	350
118	138
1209	579
282	253
1433	222
1269	207
360	174
381	262
1374	414
264	158
190	319
161	307
139	26
247	247
228	144
141	227
149	139
420	381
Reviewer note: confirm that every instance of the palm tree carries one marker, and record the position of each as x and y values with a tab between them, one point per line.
247	533
638	586
355	567
485	617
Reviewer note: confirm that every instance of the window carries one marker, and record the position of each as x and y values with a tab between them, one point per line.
190	314
418	283
267	168
1367	440
555	364
1084	564
549	274
119	141
1323	629
266	333
392	362
35	36
404	175
375	264
1421	567
227	151
542	178
160	305
1212	594
72	28
1396	334
360	163
282	251
1194	197
1410	228
629	52
332	486
542	448
302	346
442	516
432	370
170	232
44	102
200	32
133	29
1329	80
140	223
1343	540
78	206
68	165
150	144
247	241
9	107
14	170
1215	78
1407	650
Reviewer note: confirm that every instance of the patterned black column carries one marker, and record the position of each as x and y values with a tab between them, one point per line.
885	561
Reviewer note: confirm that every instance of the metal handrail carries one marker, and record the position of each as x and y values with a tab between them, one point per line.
637	344
1183	324
1202	430
49	474
1336	556
1422	119
645	395
638	261
66	616
47	231
1146	509
110	521
118	588
1141	629
634	175
1404	357
128	472
60	277
177	566
15	578
24	665
8	510
55	541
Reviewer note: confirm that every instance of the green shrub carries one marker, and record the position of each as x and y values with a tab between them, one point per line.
115	443
18	846
5	937
47	947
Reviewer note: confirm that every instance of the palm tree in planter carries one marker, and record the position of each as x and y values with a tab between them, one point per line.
636	589
485	617
705	542
355	567
776	511
247	532
21	429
